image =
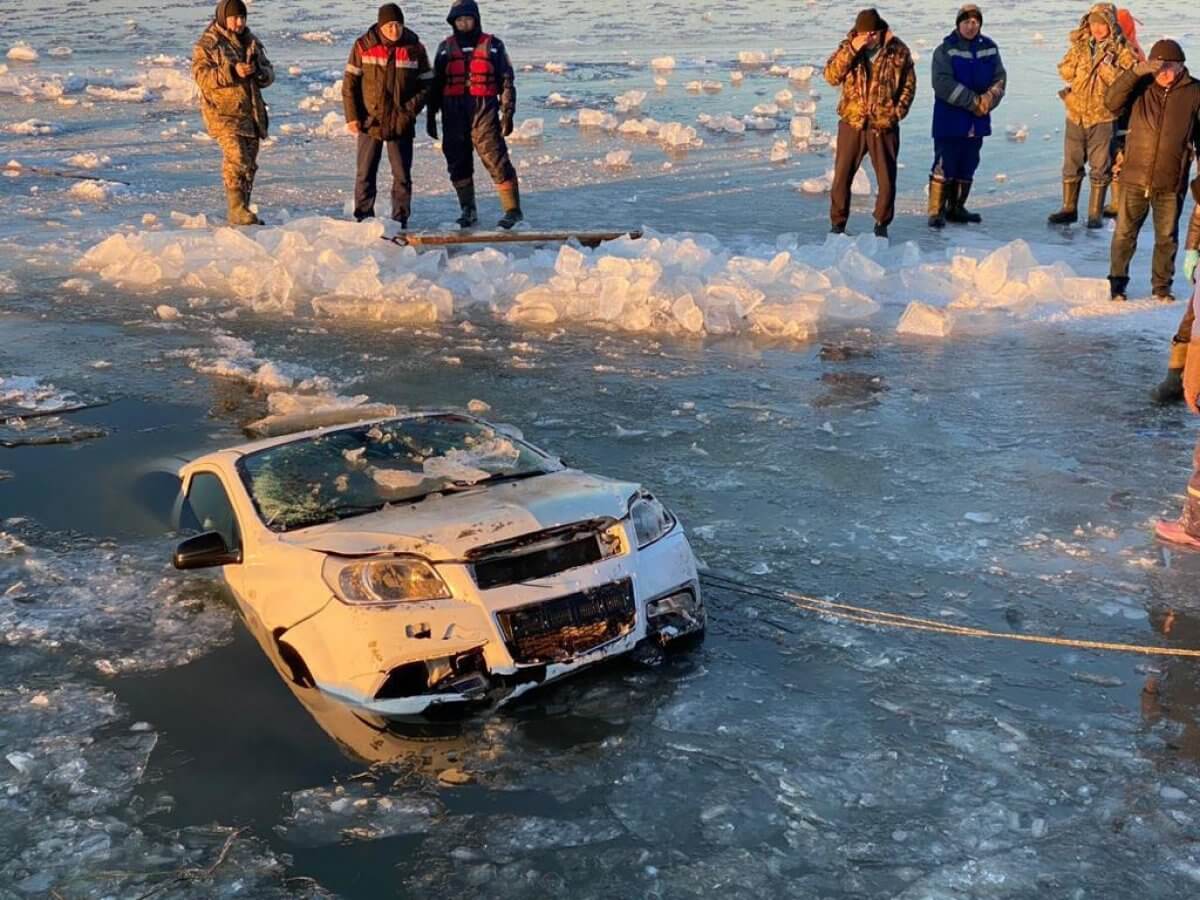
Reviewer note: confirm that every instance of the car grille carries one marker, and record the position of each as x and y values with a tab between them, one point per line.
566	627
538	555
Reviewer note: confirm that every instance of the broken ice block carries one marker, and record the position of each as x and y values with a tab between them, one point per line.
924	320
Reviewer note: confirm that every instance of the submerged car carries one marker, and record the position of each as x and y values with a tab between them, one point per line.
434	558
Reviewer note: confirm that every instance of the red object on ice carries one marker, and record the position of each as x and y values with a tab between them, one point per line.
1173	533
1129	28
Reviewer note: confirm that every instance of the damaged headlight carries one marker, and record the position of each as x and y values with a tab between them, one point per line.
651	520
394	579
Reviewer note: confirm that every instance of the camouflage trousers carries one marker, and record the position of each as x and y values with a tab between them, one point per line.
240	161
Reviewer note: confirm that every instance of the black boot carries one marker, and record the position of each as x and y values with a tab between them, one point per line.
838	229
957	211
1070	208
466	201
1110	210
510	201
937	203
1117	285
1170	389
881	230
1096	205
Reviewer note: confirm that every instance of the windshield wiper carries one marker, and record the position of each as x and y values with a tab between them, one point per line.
335	514
497	478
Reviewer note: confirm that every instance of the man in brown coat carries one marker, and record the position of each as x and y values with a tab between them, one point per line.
875	71
384	88
231	69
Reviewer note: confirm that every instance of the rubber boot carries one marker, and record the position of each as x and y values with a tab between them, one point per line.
1117	285
1175	533
1095	217
957	211
510	202
937	203
239	208
466	202
1110	209
1170	389
1070	208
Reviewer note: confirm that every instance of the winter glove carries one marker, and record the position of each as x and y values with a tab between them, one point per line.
431	126
982	105
1189	264
506	122
1149	67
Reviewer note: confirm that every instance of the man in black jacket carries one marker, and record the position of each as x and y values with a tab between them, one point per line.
384	88
1164	132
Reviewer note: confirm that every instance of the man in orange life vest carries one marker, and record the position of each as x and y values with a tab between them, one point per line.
473	88
386	81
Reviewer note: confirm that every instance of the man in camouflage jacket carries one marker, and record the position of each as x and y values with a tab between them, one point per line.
231	69
875	71
1098	53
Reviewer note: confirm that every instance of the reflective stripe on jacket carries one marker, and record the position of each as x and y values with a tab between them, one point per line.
962	70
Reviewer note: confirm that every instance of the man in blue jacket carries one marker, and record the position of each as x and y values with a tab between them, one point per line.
968	83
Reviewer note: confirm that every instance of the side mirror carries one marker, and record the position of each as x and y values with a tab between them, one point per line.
205	551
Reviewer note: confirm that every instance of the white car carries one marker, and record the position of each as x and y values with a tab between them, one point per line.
433	559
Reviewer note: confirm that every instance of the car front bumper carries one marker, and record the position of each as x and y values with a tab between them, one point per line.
489	646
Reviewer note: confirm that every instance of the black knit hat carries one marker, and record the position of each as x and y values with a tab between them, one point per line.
969	11
1168	51
227	8
869	21
390	12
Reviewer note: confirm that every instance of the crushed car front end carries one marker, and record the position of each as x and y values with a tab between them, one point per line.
506	615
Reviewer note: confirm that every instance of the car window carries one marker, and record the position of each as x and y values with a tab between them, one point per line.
208	509
358	469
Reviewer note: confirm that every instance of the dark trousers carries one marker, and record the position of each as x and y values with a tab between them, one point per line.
480	132
1091	146
1132	211
400	157
853	145
956	159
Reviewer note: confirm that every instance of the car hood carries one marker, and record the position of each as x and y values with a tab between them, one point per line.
445	527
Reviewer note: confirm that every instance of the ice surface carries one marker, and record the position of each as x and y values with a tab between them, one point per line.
752	58
780	151
88	160
801	128
31	127
616	159
96	191
663	63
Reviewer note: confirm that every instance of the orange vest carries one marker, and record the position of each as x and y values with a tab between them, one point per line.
475	76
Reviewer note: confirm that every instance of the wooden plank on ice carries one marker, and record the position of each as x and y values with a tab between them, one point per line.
453	238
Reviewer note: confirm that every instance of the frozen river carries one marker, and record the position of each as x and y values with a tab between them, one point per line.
1005	475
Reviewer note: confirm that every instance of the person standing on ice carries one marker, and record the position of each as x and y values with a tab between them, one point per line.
1164	131
968	83
1170	389
384	88
231	69
874	70
1185	531
1097	56
473	88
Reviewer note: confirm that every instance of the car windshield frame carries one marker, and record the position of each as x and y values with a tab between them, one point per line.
285	499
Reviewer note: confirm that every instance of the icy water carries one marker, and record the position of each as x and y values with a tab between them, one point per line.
1005	476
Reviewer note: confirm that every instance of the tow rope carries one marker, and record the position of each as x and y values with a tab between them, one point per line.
883	619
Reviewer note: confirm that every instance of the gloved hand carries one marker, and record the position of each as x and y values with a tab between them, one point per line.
982	105
506	122
1149	67
1189	264
431	126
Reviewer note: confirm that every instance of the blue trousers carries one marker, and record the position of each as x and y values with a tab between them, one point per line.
956	159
